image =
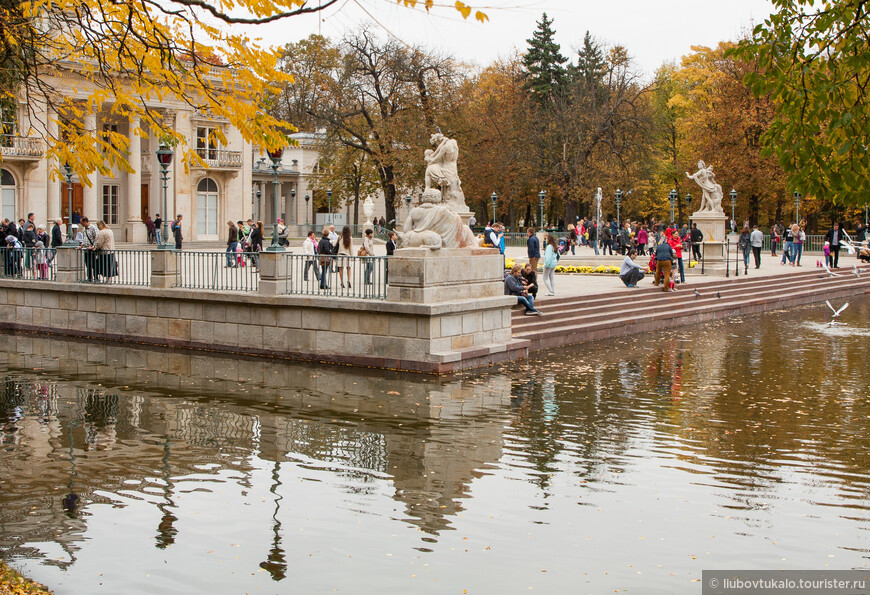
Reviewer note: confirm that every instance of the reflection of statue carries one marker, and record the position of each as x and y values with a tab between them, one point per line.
442	172
711	199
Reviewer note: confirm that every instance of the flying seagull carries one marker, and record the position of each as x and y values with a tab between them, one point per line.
836	312
856	270
830	272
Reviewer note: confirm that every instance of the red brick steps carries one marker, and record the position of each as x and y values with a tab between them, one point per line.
580	319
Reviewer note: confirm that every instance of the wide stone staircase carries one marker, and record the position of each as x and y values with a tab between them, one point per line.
581	319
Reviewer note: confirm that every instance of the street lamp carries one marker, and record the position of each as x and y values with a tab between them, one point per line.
293	205
688	204
275	156
408	203
70	240
329	198
733	196
618	202
494	198
307	198
164	158
797	207
672	197
865	215
541	196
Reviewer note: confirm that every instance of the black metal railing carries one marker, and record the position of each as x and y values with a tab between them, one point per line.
114	267
337	276
28	263
217	271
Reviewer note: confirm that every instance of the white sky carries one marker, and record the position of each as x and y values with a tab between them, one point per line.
653	32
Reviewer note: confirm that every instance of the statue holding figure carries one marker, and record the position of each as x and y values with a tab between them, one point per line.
442	172
435	222
711	198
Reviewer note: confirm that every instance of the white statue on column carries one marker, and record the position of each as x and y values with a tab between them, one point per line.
368	208
435	222
598	205
711	198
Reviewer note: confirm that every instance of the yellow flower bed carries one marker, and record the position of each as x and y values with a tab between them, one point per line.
601	269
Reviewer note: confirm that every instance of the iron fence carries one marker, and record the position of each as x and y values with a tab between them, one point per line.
29	263
217	271
114	267
336	276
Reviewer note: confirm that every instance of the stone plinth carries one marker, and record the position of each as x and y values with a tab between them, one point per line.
162	268
713	226
274	271
424	276
66	264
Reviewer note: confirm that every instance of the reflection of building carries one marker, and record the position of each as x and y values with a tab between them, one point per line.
158	418
207	195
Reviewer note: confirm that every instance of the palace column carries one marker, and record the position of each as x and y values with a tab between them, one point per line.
136	231
53	194
89	206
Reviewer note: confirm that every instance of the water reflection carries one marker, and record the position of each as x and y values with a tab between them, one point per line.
660	455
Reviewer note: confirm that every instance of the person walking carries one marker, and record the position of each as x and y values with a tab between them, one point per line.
345	249
673	238
664	259
324	251
744	245
606	240
232	243
774	239
256	239
149	226
551	259
642	239
369	248
630	272
176	232
533	248
592	232
834	237
697	237
797	244
756	240
309	249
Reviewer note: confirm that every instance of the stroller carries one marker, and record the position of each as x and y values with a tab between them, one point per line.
564	246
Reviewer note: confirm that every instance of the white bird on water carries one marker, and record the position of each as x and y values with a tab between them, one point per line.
836	312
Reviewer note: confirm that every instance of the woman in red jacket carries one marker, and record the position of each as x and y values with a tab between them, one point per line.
677	244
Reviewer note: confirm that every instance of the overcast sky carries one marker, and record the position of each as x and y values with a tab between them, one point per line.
653	32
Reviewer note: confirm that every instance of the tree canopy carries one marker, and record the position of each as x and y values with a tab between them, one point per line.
814	62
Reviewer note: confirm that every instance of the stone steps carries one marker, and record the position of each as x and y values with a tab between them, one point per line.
573	320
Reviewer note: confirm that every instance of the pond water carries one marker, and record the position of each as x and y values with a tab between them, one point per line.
630	464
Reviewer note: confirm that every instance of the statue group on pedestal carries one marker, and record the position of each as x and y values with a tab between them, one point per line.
711	198
435	223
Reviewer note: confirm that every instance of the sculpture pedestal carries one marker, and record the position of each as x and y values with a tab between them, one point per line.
713	226
424	276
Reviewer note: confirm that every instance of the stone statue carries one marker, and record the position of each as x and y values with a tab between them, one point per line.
711	198
598	205
368	208
435	222
442	172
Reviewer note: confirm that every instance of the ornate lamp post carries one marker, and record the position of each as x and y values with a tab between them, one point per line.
733	196
672	196
408	203
275	156
164	158
494	198
307	198
618	202
688	204
70	240
797	207
865	215
293	205
329	199
541	196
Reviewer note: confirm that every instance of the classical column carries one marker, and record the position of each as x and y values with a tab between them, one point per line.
53	194
90	190
136	231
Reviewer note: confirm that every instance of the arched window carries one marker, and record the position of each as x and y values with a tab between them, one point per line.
7	195
207	208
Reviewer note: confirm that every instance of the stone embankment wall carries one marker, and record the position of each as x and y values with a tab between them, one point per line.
433	338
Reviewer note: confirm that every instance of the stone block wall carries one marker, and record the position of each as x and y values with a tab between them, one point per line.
435	338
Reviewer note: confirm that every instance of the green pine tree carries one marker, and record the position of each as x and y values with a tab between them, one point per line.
545	73
590	63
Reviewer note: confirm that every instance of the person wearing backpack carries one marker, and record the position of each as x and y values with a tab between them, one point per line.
664	255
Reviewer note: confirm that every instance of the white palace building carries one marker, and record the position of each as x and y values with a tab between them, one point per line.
236	183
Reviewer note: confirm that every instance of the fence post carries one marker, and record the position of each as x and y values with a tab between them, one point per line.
66	264
162	268
274	271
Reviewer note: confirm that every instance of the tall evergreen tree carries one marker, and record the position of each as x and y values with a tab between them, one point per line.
591	65
545	73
